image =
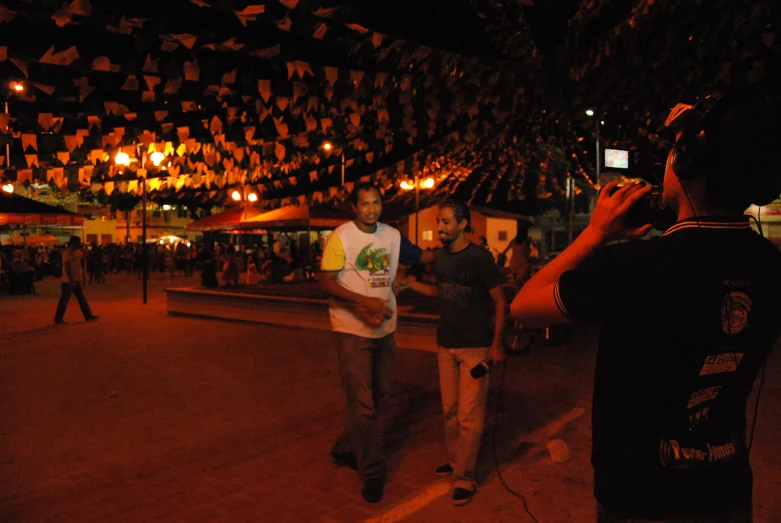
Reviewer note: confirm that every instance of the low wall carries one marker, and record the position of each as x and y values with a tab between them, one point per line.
415	331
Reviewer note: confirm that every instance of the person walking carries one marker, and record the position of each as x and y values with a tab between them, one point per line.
72	278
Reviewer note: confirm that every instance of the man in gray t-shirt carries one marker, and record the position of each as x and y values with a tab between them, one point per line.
471	316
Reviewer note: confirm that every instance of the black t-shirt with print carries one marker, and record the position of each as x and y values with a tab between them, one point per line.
669	408
466	309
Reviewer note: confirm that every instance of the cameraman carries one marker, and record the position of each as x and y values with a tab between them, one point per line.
688	321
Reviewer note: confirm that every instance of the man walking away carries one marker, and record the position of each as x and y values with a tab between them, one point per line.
72	277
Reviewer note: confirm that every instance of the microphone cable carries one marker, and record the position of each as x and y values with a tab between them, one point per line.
493	445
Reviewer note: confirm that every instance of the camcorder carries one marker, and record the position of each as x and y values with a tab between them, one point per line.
649	209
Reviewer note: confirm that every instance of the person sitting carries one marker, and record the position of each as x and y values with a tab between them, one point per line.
230	268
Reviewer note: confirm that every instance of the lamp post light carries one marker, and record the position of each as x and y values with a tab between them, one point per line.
17	87
123	159
417	184
591	113
571	181
328	147
247	194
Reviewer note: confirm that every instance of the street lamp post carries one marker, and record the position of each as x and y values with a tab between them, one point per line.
246	195
417	184
123	159
16	87
598	121
328	146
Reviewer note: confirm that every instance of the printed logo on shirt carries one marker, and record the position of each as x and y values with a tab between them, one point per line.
377	263
734	312
373	260
674	454
716	364
703	395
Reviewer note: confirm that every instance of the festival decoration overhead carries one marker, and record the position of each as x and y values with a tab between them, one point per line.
244	93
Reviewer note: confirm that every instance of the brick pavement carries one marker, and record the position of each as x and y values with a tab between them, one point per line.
145	417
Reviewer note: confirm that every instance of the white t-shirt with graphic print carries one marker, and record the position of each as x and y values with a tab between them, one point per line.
367	265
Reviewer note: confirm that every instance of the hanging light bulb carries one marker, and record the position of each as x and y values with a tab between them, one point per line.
406	185
122	158
236	195
9	188
157	158
17	86
328	146
428	183
252	197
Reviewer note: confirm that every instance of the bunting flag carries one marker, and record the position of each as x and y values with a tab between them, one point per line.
247	93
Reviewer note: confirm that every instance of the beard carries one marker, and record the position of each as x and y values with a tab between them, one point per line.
446	240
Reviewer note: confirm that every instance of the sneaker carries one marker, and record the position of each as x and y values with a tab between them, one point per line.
462	496
93	318
444	470
348	459
373	489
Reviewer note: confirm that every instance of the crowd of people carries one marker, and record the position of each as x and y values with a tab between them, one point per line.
219	264
283	262
24	266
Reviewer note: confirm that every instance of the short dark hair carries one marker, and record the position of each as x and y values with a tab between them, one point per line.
742	163
74	240
363	186
461	210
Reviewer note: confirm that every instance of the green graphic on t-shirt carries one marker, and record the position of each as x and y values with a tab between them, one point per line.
373	260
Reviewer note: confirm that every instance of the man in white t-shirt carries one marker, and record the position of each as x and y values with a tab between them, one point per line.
359	265
72	277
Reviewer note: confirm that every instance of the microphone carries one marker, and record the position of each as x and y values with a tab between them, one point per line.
481	369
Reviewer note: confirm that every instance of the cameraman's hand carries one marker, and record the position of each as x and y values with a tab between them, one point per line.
608	218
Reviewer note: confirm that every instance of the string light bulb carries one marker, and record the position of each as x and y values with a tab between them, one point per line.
406	185
157	158
122	158
252	197
9	188
427	183
236	195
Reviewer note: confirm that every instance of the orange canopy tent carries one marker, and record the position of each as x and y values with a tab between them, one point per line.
299	217
226	220
18	210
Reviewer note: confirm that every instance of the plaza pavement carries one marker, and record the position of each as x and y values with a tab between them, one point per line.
146	417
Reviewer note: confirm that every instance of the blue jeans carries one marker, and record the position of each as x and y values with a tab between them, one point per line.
365	365
463	403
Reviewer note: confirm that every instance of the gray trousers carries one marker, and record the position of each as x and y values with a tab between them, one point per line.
365	365
65	296
463	403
